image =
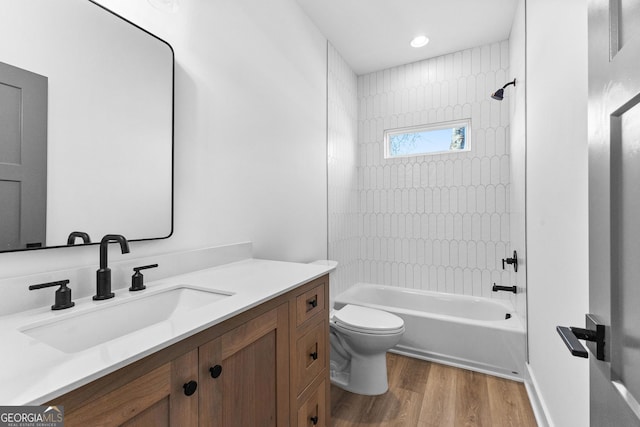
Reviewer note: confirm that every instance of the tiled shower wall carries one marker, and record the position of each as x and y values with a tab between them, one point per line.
342	116
438	222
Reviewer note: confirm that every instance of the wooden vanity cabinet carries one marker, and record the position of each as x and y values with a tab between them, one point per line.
265	367
309	320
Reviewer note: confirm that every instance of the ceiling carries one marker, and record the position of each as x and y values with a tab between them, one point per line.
373	35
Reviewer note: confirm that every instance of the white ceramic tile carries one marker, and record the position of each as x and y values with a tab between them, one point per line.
476	227
467	277
440	226
408	228
486	227
490	195
444	200
485	58
492	260
490	142
457	113
453	199
495	170
424	227
476	171
481	255
480	93
505	227
463	254
471	254
480	199
471	199
476	61
466	171
462	91
429	202
457	227
496	113
437	203
504	169
501	205
433	226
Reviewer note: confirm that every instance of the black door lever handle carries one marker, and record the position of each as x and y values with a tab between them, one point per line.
594	335
571	341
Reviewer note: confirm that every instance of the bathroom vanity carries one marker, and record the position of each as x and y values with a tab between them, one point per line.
257	356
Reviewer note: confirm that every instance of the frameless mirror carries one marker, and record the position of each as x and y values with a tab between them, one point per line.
86	126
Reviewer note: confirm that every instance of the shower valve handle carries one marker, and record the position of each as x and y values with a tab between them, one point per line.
511	261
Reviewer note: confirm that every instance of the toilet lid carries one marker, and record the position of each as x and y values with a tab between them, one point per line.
367	320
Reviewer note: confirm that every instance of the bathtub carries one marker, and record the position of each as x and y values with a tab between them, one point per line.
480	334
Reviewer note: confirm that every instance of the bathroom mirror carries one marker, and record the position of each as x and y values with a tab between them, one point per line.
106	132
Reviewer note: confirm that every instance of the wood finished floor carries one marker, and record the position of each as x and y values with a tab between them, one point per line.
429	394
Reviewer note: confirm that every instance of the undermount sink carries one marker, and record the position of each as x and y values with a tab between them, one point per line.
109	321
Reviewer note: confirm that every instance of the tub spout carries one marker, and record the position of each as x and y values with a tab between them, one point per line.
497	288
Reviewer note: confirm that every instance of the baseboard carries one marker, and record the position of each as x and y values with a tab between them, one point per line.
537	404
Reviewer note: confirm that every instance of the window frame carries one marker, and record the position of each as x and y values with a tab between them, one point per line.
388	133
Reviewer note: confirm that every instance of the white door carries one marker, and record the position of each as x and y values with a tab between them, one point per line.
23	158
614	208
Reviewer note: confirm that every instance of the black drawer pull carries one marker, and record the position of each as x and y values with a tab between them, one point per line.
314	420
314	355
313	302
190	387
215	371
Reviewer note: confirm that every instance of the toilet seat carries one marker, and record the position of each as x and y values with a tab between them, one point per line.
367	320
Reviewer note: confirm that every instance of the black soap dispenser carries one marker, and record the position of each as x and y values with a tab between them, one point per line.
137	280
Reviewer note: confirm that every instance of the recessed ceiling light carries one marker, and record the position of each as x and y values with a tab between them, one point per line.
419	41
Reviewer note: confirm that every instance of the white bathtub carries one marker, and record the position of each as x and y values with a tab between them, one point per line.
458	330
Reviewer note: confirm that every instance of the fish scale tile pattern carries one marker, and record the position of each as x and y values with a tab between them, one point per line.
437	222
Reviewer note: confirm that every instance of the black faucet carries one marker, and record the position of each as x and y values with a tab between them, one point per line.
71	240
103	275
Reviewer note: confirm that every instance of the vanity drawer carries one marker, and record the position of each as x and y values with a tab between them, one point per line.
311	355
310	303
312	412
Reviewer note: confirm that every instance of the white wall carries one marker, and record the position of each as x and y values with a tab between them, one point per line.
557	223
517	151
438	222
250	132
342	125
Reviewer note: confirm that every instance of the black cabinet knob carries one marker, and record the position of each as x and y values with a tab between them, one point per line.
313	303
314	355
314	420
215	371
190	387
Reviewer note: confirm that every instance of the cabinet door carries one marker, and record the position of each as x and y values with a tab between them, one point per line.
244	374
156	398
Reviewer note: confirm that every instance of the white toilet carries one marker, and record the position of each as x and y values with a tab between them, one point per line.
360	338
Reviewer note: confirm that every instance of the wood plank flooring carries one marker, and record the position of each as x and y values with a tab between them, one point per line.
429	394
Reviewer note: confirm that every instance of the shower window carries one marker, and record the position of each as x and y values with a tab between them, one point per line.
437	138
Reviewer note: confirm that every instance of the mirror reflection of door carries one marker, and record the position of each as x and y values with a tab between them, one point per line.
23	158
614	208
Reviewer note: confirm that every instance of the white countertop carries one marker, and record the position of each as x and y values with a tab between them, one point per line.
32	372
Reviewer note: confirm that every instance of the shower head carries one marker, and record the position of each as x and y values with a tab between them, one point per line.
499	94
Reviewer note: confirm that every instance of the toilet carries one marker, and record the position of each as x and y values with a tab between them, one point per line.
359	338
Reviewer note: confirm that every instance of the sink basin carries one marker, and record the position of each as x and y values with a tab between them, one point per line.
109	321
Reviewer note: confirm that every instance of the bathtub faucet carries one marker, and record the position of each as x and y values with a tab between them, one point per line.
497	288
